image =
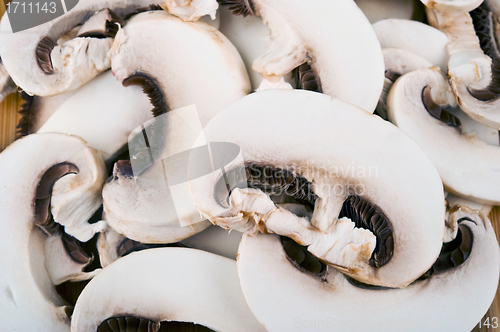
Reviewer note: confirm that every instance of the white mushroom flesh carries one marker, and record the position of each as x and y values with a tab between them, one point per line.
181	284
468	166
284	298
334	241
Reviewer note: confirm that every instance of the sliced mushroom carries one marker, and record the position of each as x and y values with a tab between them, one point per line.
41	66
361	201
103	113
468	167
397	63
175	284
416	37
473	75
334	37
452	296
214	77
61	178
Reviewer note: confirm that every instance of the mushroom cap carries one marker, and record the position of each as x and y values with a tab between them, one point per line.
335	37
468	167
331	165
103	113
284	298
175	284
30	300
425	41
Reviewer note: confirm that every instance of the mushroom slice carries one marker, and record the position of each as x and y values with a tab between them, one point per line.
64	179
397	63
473	75
103	113
426	41
461	6
405	227
176	284
452	296
41	66
468	167
349	65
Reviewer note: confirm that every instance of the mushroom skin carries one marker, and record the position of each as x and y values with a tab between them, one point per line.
30	301
42	67
426	41
455	299
415	215
177	284
471	73
468	166
349	65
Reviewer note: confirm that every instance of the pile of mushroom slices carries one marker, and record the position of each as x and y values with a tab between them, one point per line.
174	172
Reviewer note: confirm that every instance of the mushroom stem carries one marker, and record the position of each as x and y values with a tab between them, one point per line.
473	76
